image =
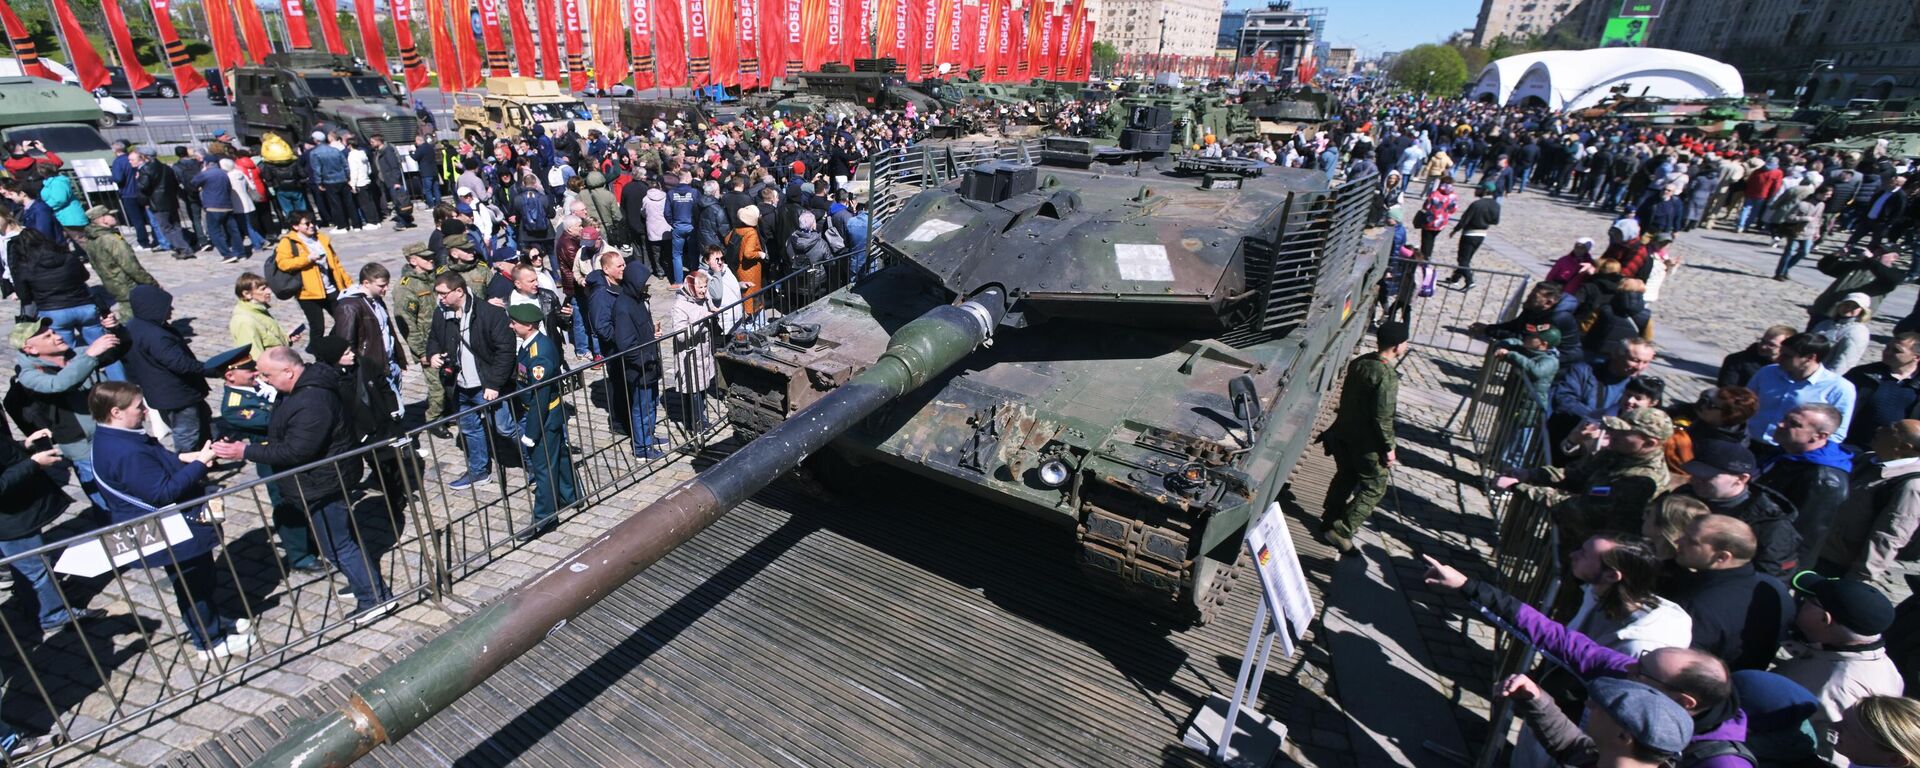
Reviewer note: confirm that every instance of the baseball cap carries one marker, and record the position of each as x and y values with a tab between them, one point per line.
1651	422
22	331
465	192
463	209
1656	722
528	314
1546	333
504	254
1859	299
1720	457
1855	605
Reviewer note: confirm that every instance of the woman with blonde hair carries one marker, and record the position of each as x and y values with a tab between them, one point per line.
1881	732
1668	519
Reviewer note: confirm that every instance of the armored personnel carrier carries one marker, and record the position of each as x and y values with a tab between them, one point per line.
295	93
512	106
1152	384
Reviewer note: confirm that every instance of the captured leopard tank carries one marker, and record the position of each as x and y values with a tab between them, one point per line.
1168	340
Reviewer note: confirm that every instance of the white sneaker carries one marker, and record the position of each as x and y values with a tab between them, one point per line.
228	646
371	227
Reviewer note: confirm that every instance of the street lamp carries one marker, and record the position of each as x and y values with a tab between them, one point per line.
1805	91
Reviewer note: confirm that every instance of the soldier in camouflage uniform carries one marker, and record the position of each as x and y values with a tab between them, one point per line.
1610	490
1360	440
465	258
112	259
416	304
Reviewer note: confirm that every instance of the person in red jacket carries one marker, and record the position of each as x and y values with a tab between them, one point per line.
20	157
1762	185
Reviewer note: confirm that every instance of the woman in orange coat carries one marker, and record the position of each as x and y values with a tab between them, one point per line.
752	257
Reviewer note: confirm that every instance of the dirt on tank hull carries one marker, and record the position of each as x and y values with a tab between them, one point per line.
1167	348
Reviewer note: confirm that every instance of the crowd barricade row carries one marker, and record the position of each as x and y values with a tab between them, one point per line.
91	680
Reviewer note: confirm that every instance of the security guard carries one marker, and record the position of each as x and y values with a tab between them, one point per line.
417	305
245	410
542	426
1360	440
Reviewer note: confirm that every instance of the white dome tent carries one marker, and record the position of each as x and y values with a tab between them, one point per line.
1567	80
1498	78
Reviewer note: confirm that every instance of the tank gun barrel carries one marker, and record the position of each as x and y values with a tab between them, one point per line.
405	696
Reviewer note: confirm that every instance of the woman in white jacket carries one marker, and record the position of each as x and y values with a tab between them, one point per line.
360	180
245	200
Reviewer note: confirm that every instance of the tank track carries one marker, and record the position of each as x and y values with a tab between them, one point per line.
1151	565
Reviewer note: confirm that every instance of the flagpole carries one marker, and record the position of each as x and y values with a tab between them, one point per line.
54	16
192	137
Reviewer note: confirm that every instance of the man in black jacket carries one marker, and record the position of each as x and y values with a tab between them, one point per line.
185	167
638	350
1810	471
306	427
1886	391
472	346
1722	474
1885	208
172	378
393	179
1739	614
162	194
1738	368
31	478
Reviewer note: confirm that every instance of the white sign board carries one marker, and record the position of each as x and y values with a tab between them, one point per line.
1283	583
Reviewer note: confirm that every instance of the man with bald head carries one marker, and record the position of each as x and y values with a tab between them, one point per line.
1697	680
1882	511
1739	614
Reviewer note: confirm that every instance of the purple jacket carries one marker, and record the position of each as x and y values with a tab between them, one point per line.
1589	659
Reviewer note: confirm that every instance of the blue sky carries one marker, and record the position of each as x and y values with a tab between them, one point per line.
1375	26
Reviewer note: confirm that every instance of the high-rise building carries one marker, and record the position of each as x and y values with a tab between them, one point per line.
1522	19
1230	23
1282	29
1180	27
1339	61
1841	49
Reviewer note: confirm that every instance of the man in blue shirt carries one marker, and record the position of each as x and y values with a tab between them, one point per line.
682	203
1797	379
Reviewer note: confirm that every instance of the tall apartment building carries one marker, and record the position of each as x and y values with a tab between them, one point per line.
1181	27
1520	19
1842	49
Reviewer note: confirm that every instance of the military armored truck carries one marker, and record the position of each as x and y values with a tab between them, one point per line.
513	105
1152	384
848	93
62	117
295	93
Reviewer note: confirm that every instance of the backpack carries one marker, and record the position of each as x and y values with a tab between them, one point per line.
285	285
535	215
1701	751
730	248
836	242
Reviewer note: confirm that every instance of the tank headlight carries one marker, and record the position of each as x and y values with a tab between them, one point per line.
1054	473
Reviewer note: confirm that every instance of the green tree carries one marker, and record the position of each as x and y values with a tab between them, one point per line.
1431	68
1475	58
1104	57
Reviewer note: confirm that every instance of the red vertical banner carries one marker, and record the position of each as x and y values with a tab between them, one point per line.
912	13
472	69
254	28
640	23
848	37
445	57
723	40
1080	53
699	50
1039	34
953	51
746	25
815	47
549	33
411	62
609	43
980	38
369	33
576	57
295	14
496	45
523	53
137	76
1000	59
886	30
1062	21
670	43
794	28
329	14
20	40
929	38
226	45
773	39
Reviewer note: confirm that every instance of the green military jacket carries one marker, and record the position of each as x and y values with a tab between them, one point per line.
1364	421
416	304
1606	491
477	274
115	265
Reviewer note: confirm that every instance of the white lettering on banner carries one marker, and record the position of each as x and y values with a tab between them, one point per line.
402	11
642	17
749	34
793	29
1006	32
697	19
572	15
954	28
980	42
488	14
929	34
1143	261
295	11
900	10
834	23
160	5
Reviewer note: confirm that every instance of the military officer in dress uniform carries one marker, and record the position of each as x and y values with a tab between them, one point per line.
245	409
542	425
1360	440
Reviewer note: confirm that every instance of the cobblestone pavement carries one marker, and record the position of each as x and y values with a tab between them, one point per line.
145	661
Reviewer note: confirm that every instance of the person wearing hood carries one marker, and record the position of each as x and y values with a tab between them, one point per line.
1810	472
1693	678
306	427
724	291
112	257
629	327
69	207
806	248
602	206
1845	327
159	360
1722	474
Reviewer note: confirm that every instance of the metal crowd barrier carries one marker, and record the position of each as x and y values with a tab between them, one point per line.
86	681
1440	321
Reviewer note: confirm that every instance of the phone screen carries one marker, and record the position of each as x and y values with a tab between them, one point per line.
300	330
